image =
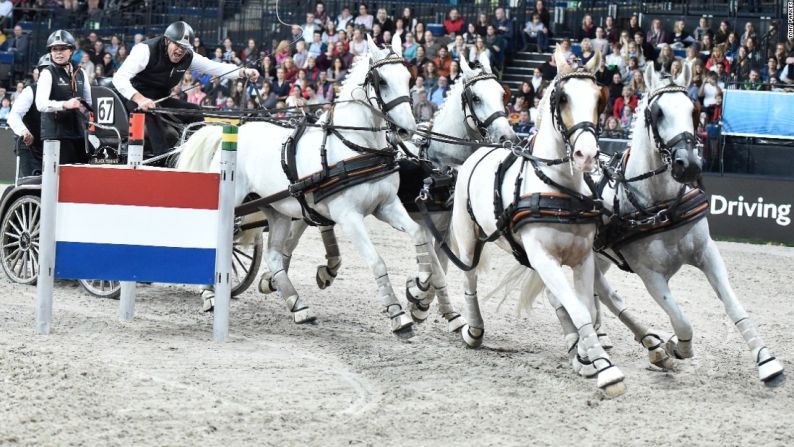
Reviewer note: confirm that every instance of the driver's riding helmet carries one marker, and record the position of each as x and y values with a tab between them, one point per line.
61	37
181	34
44	61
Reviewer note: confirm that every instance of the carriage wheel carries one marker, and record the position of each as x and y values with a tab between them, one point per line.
102	288
20	249
246	260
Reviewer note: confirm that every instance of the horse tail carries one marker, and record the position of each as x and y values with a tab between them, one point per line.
199	149
528	283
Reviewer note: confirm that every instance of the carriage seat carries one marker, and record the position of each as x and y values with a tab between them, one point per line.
110	110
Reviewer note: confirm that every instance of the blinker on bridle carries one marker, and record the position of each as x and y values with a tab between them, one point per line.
468	101
665	148
556	112
373	79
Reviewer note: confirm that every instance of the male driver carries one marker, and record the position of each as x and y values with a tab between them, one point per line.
156	66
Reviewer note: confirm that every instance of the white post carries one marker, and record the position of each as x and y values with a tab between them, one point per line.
49	200
223	254
134	159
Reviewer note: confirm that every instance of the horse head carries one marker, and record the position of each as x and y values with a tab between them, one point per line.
387	84
576	102
483	104
670	120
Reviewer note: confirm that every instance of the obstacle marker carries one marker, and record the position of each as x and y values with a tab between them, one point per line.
134	159
136	224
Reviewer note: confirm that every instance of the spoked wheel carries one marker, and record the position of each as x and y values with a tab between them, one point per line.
102	288
20	249
246	260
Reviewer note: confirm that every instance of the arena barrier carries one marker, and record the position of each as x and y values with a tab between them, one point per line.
137	224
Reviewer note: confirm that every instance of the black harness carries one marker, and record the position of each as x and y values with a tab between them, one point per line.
565	206
468	101
375	81
372	164
689	205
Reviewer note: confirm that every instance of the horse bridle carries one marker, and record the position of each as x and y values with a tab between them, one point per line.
652	112
469	98
556	112
374	79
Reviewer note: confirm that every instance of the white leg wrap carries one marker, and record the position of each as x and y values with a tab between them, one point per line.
295	304
327	273
208	298
400	321
588	340
473	315
768	366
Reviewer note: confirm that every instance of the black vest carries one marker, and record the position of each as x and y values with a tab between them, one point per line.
32	120
64	124
160	74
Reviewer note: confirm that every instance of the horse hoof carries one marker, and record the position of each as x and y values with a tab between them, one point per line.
677	349
401	322
266	285
775	381
610	379
472	336
208	296
405	333
660	359
604	341
418	313
615	389
455	323
324	277
416	294
771	373
303	316
584	368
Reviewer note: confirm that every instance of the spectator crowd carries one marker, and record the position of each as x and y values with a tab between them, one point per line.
309	66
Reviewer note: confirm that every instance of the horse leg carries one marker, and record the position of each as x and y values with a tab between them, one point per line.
465	233
353	226
770	371
431	276
649	339
279	228
680	344
610	378
297	227
327	273
579	362
601	266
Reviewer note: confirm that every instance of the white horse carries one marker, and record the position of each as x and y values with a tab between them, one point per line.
473	111
549	184
663	139
353	127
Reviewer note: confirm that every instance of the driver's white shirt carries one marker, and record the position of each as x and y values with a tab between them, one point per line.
18	110
139	57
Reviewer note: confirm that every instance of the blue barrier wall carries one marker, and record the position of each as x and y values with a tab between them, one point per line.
758	114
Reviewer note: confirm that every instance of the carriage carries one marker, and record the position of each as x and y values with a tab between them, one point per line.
106	141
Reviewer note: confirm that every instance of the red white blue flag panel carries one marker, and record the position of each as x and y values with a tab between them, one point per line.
145	224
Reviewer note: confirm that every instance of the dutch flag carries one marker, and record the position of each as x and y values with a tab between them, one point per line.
143	225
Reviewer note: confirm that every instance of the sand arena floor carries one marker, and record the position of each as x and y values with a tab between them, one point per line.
159	380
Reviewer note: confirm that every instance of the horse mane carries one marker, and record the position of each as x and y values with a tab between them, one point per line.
355	77
543	104
455	89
